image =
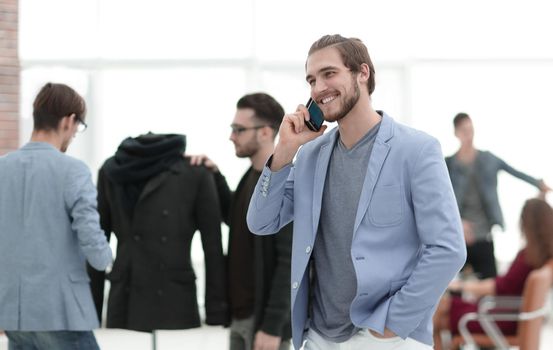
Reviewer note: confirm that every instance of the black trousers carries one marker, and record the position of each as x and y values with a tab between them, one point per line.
481	257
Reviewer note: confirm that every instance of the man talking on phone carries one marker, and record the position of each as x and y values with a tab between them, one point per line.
377	234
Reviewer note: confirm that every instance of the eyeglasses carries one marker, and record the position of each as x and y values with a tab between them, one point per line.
82	125
237	130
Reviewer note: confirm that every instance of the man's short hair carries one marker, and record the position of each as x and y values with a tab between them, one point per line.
353	52
266	109
459	118
53	102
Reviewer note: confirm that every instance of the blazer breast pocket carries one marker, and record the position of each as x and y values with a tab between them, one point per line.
386	207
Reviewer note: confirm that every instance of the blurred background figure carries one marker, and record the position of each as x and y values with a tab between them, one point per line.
49	227
153	200
259	267
473	174
536	225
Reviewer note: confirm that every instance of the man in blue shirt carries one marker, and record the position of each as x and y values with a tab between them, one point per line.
49	228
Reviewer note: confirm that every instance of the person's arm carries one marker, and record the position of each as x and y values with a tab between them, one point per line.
539	184
277	309
271	206
511	283
475	288
438	226
97	278
208	217
272	203
81	200
225	195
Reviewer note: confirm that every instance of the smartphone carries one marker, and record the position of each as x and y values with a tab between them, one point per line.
316	117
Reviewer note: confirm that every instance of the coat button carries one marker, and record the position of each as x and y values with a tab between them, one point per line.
165	212
295	285
136	238
159	292
163	239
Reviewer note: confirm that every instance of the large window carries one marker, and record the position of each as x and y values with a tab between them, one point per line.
179	67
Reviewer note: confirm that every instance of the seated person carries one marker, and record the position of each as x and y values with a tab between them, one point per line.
536	223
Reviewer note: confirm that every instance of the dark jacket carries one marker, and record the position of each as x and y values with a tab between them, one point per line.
152	280
272	255
486	166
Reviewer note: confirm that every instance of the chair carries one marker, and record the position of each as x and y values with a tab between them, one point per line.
529	310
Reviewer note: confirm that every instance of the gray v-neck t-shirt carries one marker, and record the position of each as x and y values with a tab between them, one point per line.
334	282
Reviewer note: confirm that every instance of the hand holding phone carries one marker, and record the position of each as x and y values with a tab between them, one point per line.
316	117
293	134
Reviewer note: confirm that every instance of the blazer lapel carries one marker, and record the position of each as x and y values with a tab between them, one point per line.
379	153
319	179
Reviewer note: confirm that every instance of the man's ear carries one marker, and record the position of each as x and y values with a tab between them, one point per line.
268	132
65	122
364	72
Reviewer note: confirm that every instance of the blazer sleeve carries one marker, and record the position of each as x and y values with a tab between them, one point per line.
208	217
97	278
438	226
81	201
272	203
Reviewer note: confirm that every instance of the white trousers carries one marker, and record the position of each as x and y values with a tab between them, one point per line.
363	340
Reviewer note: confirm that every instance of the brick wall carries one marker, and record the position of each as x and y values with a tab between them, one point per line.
9	76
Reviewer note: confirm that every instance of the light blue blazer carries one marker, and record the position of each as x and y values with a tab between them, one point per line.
49	227
407	239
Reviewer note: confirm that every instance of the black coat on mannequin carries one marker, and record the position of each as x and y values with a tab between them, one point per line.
152	280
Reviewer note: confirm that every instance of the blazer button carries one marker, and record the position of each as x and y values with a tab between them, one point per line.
159	292
165	212
136	238
163	239
295	285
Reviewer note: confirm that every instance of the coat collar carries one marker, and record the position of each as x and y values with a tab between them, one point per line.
157	180
385	133
34	145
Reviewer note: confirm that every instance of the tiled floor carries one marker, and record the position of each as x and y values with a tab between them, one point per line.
205	338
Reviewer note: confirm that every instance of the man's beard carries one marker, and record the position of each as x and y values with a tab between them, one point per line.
248	149
347	104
